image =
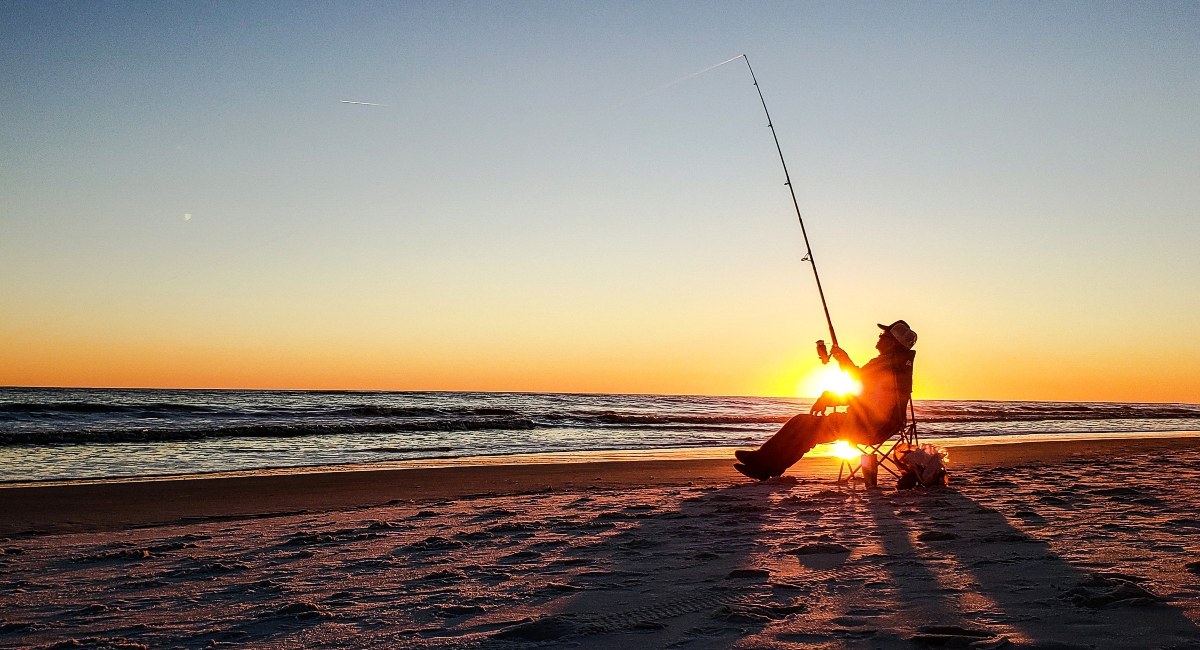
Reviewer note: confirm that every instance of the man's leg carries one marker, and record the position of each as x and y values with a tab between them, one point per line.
817	430
787	446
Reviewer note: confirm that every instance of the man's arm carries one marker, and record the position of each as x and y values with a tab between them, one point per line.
826	401
843	360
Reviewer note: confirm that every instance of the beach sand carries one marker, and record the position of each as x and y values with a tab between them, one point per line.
1035	545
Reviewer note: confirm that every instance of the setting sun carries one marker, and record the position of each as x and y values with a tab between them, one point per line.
828	378
844	450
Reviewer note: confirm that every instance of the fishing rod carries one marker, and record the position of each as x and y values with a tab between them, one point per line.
796	204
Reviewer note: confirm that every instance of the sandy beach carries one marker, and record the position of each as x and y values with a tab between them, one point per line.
1035	545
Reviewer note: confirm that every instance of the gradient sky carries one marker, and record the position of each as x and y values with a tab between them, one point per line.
186	201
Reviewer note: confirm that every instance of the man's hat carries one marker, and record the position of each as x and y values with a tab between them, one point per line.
901	332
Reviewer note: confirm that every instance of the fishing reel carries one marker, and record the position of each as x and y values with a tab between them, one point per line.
822	352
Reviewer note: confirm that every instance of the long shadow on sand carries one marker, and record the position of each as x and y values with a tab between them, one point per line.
786	563
963	574
801	564
674	578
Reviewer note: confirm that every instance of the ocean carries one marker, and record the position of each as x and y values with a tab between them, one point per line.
77	434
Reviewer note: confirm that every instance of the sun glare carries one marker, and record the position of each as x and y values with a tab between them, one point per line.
828	378
844	450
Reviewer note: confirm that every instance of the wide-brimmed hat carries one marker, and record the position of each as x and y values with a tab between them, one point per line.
901	332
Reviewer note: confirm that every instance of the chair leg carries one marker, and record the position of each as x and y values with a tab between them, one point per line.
847	468
887	459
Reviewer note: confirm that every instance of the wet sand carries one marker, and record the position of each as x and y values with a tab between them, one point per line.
1047	545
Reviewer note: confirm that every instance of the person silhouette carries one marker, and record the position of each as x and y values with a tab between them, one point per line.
871	417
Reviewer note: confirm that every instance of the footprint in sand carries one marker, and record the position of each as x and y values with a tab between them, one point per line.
520	557
494	513
202	569
445	576
434	543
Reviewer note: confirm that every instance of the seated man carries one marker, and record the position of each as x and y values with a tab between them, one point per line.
871	417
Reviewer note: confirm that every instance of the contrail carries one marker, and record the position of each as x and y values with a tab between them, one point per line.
347	101
669	84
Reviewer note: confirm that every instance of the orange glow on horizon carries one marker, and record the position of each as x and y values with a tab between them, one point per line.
59	352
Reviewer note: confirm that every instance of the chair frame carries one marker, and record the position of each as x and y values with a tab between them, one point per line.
906	435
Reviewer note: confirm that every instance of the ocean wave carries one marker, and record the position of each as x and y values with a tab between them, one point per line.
924	413
669	412
1050	411
410	450
41	429
371	410
98	408
626	419
67	410
74	416
134	434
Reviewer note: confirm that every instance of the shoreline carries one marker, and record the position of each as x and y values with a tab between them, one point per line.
585	456
39	509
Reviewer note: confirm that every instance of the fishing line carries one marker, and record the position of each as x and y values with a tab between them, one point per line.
808	255
796	204
669	84
697	74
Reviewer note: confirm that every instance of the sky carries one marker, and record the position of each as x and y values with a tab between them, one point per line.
525	200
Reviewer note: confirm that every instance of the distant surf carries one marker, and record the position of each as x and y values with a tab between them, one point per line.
68	433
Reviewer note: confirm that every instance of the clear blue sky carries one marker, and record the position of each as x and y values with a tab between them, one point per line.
185	200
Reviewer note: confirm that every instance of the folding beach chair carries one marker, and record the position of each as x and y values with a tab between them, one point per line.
888	450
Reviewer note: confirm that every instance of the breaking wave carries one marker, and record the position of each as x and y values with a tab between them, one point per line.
294	430
88	416
69	433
